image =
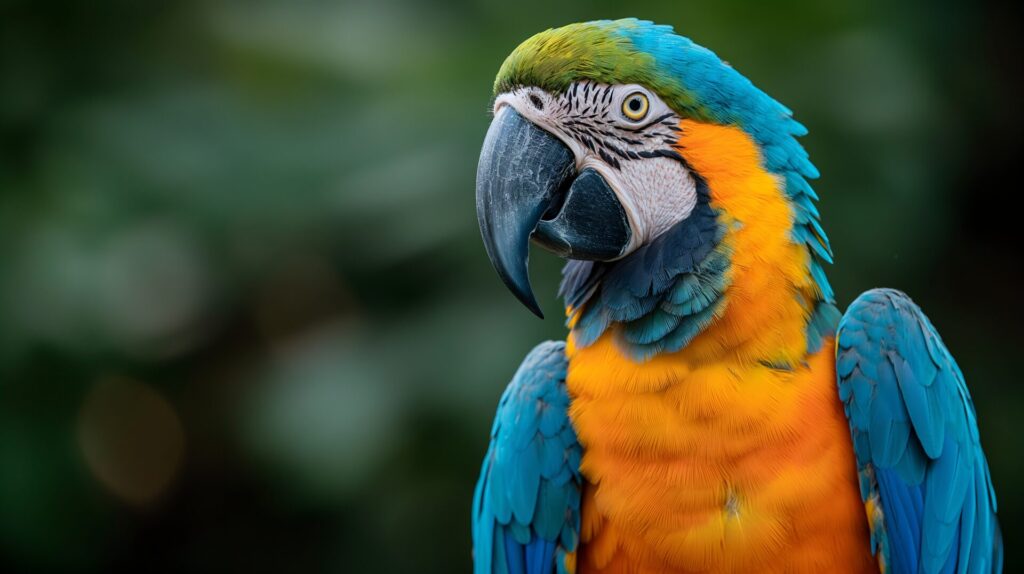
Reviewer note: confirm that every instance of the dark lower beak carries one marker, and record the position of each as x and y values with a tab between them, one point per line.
527	185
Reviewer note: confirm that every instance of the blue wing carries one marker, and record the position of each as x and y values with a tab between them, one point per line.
526	508
922	469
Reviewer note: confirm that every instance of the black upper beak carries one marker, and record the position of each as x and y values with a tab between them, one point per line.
527	186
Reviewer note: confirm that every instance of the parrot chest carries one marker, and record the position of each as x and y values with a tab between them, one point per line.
717	468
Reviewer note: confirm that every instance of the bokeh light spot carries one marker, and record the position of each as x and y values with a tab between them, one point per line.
131	438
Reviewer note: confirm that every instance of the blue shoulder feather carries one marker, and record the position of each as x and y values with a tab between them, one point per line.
916	440
526	507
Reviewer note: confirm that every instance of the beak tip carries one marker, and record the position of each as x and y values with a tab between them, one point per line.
519	285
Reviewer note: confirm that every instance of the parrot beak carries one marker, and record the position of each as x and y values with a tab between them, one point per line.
527	187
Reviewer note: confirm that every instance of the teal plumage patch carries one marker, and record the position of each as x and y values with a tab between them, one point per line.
821	325
526	507
916	440
663	294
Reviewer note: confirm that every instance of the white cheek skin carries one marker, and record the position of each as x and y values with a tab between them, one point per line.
662	193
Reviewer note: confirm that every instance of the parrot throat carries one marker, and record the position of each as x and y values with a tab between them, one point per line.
662	295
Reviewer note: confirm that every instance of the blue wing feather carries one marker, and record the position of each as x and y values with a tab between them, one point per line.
915	437
526	504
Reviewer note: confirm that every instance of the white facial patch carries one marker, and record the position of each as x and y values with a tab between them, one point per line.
663	191
628	135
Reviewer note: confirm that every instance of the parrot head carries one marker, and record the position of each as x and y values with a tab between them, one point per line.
606	146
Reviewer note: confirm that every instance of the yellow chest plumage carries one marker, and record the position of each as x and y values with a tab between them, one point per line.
714	467
710	459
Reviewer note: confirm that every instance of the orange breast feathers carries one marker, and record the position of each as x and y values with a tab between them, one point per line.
714	468
708	460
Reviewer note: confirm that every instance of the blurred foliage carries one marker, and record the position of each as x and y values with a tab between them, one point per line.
246	323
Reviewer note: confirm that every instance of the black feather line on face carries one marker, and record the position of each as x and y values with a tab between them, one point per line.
669	153
609	159
617	151
586	115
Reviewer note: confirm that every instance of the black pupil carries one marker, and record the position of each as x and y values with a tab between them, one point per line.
536	101
634	104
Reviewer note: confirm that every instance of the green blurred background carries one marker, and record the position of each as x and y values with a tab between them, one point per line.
246	321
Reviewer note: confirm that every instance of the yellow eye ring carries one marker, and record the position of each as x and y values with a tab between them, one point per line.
635	106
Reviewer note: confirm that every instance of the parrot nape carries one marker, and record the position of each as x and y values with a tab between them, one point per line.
711	410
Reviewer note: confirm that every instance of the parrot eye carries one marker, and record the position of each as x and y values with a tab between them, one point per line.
635	106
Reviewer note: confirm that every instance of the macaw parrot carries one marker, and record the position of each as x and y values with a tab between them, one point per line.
711	409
